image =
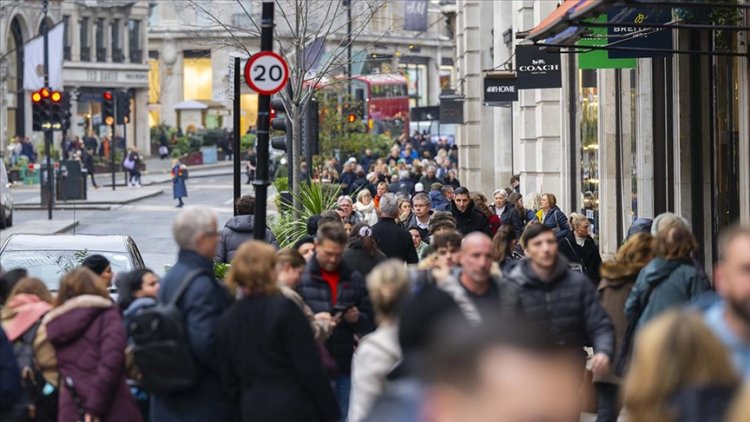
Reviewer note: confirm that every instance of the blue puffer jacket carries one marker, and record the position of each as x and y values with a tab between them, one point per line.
351	291
674	283
556	220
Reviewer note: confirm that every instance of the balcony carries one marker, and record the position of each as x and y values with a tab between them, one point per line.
67	52
85	54
136	56
117	55
101	55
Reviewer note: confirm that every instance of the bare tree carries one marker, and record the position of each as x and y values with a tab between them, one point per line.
299	23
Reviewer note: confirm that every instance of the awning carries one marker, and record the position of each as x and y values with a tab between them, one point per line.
559	25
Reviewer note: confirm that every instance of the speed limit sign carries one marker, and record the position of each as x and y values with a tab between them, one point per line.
266	73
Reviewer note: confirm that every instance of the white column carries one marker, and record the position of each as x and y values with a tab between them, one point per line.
645	140
503	116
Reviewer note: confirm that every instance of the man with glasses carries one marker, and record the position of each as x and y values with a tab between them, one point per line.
201	305
420	218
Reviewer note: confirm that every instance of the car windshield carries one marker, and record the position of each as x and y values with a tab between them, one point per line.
50	266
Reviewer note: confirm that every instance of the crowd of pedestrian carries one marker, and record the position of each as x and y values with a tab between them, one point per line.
403	304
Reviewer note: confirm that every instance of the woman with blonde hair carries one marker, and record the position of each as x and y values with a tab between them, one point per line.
379	351
579	247
365	206
618	277
268	360
680	372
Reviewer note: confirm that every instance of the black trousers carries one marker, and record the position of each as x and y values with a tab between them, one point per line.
607	397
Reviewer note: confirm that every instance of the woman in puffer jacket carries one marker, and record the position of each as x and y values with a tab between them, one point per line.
86	329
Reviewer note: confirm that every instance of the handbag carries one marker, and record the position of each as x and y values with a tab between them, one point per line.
576	266
128	163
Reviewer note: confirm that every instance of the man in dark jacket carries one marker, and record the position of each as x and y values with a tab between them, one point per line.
440	201
10	377
201	305
468	219
348	176
559	300
404	185
239	229
328	285
420	218
479	294
393	240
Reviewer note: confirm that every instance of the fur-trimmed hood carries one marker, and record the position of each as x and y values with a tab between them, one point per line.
68	321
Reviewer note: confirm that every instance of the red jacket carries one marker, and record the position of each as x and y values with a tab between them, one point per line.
89	339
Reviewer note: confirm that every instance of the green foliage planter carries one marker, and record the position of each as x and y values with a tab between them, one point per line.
290	225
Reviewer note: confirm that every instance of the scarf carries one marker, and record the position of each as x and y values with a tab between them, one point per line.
23	311
364	208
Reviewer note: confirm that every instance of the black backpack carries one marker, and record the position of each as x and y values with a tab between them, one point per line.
161	347
40	397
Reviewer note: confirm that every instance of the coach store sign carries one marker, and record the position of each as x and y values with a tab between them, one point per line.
537	68
500	89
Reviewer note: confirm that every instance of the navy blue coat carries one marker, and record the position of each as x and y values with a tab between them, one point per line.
351	291
10	376
202	304
179	190
557	221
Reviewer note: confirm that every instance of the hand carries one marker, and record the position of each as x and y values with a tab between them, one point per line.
600	364
351	315
90	418
327	319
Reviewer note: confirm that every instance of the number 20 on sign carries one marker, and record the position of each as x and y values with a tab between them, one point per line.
266	73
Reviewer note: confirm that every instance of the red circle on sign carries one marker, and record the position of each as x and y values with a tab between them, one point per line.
277	85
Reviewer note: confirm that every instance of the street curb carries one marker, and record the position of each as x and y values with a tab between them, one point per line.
169	180
88	205
67	228
61	230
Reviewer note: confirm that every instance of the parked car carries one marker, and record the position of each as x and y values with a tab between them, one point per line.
49	257
6	199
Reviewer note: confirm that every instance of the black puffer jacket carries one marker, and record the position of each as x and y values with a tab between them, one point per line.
470	220
236	231
351	291
567	306
587	255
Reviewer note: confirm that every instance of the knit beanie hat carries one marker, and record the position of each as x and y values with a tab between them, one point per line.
96	263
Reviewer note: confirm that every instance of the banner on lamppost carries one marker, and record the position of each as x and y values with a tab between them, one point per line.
415	15
537	68
500	89
639	40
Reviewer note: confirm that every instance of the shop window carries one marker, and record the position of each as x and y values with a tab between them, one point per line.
154	81
588	96
196	79
446	77
249	111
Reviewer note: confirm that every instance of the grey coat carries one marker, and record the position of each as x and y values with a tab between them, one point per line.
237	231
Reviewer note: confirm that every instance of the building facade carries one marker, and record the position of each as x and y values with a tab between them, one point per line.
103	49
191	48
666	133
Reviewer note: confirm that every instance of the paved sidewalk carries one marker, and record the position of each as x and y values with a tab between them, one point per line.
159	172
38	227
102	198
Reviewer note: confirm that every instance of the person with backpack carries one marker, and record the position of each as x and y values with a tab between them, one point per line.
86	330
22	315
192	290
268	358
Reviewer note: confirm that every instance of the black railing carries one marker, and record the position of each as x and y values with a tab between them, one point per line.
101	55
117	55
85	54
136	56
67	52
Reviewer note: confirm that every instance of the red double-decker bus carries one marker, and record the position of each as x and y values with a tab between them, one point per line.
385	102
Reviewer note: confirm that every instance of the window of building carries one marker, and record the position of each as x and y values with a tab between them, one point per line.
101	50
117	54
416	76
154	90
588	96
447	74
197	75
134	34
84	39
67	51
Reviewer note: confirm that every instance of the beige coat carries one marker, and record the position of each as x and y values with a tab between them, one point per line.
321	329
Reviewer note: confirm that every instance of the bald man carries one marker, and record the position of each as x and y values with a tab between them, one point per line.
477	292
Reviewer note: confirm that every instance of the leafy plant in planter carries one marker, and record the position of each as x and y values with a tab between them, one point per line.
314	198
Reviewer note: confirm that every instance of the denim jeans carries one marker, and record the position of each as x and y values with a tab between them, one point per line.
343	386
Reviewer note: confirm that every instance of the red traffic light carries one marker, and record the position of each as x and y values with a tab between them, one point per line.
107	96
56	96
36	97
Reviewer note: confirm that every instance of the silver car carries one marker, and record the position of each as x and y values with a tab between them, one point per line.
6	199
49	257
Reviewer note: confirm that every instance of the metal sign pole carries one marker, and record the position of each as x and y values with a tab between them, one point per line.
264	116
48	131
236	147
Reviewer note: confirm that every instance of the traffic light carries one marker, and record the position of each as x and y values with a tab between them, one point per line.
39	110
57	111
351	118
108	108
278	116
123	107
66	110
311	131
